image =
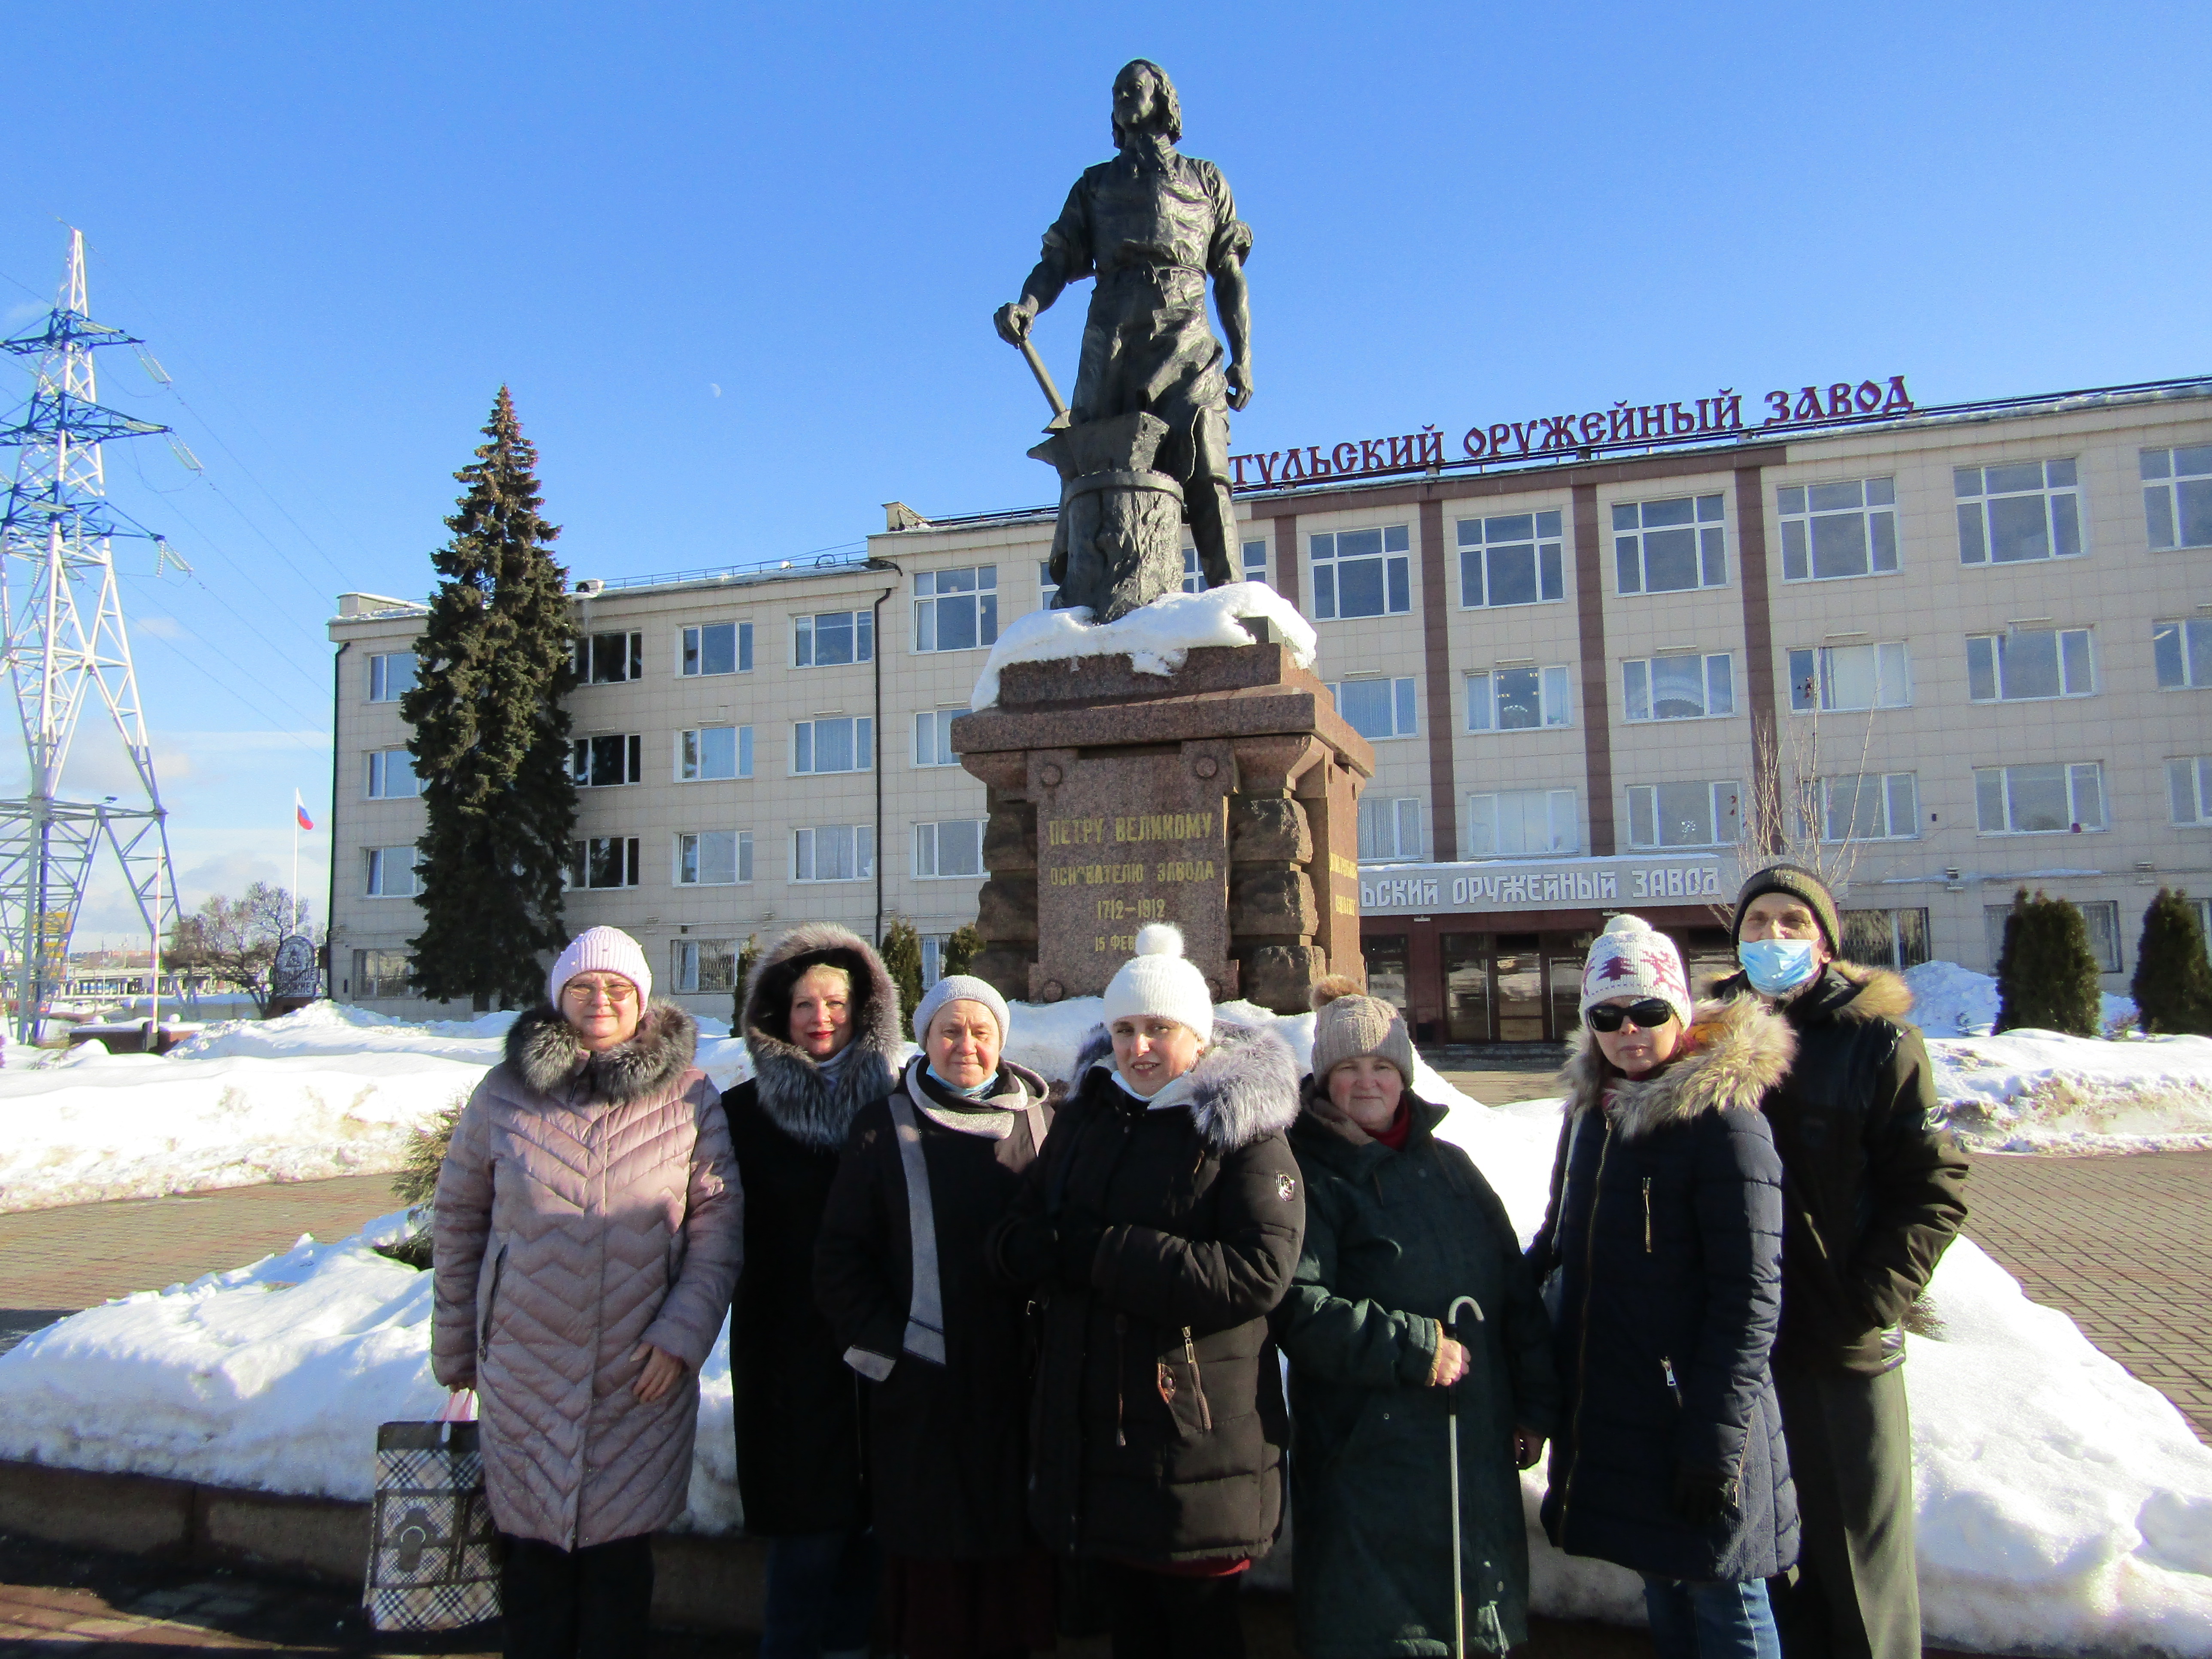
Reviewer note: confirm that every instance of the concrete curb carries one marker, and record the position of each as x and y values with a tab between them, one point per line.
700	1583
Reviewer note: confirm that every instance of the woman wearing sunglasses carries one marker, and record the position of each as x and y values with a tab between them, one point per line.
1660	1256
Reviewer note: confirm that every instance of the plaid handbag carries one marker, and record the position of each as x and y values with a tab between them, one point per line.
434	1556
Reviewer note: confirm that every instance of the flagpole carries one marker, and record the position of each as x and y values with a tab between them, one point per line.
298	807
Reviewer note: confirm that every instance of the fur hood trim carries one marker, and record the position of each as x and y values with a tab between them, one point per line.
812	1109
542	1049
1865	994
1243	1088
1738	1049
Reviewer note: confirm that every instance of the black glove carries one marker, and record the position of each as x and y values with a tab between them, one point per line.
1703	1497
1079	1228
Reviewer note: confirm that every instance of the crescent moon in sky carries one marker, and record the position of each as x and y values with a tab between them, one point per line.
712	387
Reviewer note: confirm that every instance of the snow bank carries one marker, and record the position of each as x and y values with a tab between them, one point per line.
1158	638
1948	1000
328	1091
2043	1092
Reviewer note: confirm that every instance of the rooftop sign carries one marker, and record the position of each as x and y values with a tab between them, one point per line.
1538	883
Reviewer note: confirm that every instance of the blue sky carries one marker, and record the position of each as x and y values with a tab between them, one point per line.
737	263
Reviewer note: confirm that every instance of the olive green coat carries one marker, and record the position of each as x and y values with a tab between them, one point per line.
1391	1239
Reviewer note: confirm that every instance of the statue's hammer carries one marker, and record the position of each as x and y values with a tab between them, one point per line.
1059	421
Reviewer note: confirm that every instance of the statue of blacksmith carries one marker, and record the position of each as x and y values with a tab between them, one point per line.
1150	416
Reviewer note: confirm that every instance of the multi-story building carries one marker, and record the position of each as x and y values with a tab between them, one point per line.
1946	652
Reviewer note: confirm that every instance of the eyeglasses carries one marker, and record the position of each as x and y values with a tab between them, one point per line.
583	991
1647	1015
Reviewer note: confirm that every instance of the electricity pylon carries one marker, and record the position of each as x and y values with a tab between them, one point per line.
63	642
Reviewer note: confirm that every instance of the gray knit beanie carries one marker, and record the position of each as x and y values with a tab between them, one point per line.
959	987
1348	1024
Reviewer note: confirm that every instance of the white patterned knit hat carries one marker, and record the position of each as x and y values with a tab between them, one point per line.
1629	960
1157	981
601	950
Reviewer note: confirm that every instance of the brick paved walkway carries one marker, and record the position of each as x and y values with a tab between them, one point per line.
81	1254
2124	1245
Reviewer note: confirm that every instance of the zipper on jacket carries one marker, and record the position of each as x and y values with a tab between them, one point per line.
1647	1215
1121	1355
491	1302
1581	1345
1190	1359
1667	1370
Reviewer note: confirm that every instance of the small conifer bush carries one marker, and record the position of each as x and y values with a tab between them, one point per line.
2172	985
2047	976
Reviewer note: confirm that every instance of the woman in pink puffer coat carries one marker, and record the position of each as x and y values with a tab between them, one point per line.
587	1235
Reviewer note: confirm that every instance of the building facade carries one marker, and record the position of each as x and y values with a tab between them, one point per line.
1944	653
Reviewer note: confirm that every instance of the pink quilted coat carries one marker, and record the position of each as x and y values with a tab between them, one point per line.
587	1203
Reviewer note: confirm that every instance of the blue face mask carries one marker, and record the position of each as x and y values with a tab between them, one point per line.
1776	965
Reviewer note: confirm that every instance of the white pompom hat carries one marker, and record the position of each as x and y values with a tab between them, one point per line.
601	950
1633	959
1157	981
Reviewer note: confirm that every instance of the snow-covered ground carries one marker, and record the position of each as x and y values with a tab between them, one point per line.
2065	1507
1157	638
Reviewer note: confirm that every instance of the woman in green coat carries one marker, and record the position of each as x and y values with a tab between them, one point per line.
1399	1226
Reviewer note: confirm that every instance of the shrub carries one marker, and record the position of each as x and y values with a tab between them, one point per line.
2047	977
962	947
2172	985
901	954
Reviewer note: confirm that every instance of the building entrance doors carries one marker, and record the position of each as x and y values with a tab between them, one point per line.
1509	987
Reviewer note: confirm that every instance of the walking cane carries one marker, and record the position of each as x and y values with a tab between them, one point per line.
1451	1421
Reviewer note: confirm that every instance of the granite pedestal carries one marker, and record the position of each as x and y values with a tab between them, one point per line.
1224	798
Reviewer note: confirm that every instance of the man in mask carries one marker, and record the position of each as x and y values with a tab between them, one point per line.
1872	1193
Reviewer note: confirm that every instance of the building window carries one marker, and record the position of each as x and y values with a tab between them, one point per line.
610	658
1362	572
1885	938
955	610
1833	529
700	966
714	858
1193	580
1684	688
2040	800
1665	547
391	872
933	736
379	974
1048	589
719	649
954	847
2029	663
1523	823
390	674
603	861
714	751
391	775
2100	916
2189	781
932	958
2183	651
1509	561
833	746
603	762
1255	556
1850	677
1389	830
1518	699
1684	814
832	638
834	852
2031	510
1376	709
1870	806
2178	496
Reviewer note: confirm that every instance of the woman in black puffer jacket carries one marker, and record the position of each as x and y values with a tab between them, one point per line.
1162	1225
1665	1230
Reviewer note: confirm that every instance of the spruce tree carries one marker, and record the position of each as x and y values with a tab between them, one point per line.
747	959
962	946
901	954
490	736
2172	985
2047	976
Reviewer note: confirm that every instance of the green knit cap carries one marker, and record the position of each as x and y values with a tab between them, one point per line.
1799	883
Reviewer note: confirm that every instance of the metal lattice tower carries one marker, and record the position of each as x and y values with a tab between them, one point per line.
63	644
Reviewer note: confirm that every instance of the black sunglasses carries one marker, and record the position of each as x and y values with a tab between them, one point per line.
1650	1015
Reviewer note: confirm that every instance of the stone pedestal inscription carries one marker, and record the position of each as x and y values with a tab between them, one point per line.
1223	799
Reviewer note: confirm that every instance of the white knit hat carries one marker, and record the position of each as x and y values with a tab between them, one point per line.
959	987
1629	960
601	950
1157	981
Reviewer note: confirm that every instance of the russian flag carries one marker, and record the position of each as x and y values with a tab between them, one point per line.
299	812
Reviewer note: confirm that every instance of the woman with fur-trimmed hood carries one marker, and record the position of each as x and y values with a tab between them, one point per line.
822	1027
587	1232
1161	1227
1665	1236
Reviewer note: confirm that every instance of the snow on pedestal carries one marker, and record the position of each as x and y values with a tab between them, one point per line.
1158	638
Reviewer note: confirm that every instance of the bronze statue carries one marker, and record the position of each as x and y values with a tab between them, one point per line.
1144	447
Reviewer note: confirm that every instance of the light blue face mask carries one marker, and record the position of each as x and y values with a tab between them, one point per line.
1776	965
